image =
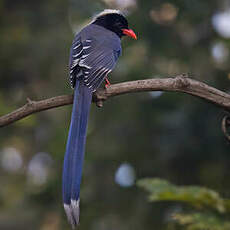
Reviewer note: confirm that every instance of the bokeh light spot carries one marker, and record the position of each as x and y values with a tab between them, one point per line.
166	14
125	175
120	4
11	159
156	94
220	52
38	168
221	23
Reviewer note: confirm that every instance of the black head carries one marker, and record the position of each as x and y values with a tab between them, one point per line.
112	20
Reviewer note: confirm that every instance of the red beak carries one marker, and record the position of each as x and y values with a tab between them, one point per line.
129	33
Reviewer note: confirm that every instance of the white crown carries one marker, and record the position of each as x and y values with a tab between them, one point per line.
107	11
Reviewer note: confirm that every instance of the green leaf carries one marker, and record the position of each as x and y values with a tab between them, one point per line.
201	221
208	210
198	197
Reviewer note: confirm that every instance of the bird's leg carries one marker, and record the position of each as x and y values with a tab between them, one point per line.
107	84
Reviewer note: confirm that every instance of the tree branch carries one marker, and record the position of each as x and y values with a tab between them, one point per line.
180	83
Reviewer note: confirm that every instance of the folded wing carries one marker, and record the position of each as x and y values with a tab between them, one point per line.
92	60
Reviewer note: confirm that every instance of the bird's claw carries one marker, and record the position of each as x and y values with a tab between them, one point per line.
107	84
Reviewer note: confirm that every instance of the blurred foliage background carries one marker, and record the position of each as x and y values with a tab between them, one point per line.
167	135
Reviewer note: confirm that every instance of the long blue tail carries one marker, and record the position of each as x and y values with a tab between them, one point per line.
74	156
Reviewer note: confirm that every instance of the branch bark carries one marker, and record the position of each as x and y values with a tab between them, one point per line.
179	83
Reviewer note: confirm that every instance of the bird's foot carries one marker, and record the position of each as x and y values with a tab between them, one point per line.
107	84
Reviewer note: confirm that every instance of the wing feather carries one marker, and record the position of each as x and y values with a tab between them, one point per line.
92	60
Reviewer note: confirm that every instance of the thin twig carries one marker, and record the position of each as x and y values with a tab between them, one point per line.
225	125
180	83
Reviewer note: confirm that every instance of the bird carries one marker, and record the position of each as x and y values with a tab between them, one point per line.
93	55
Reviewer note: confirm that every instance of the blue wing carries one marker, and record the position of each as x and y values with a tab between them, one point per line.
92	60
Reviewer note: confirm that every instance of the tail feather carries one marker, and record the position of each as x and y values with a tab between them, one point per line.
74	156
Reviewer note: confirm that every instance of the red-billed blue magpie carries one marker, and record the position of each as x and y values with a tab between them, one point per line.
93	56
